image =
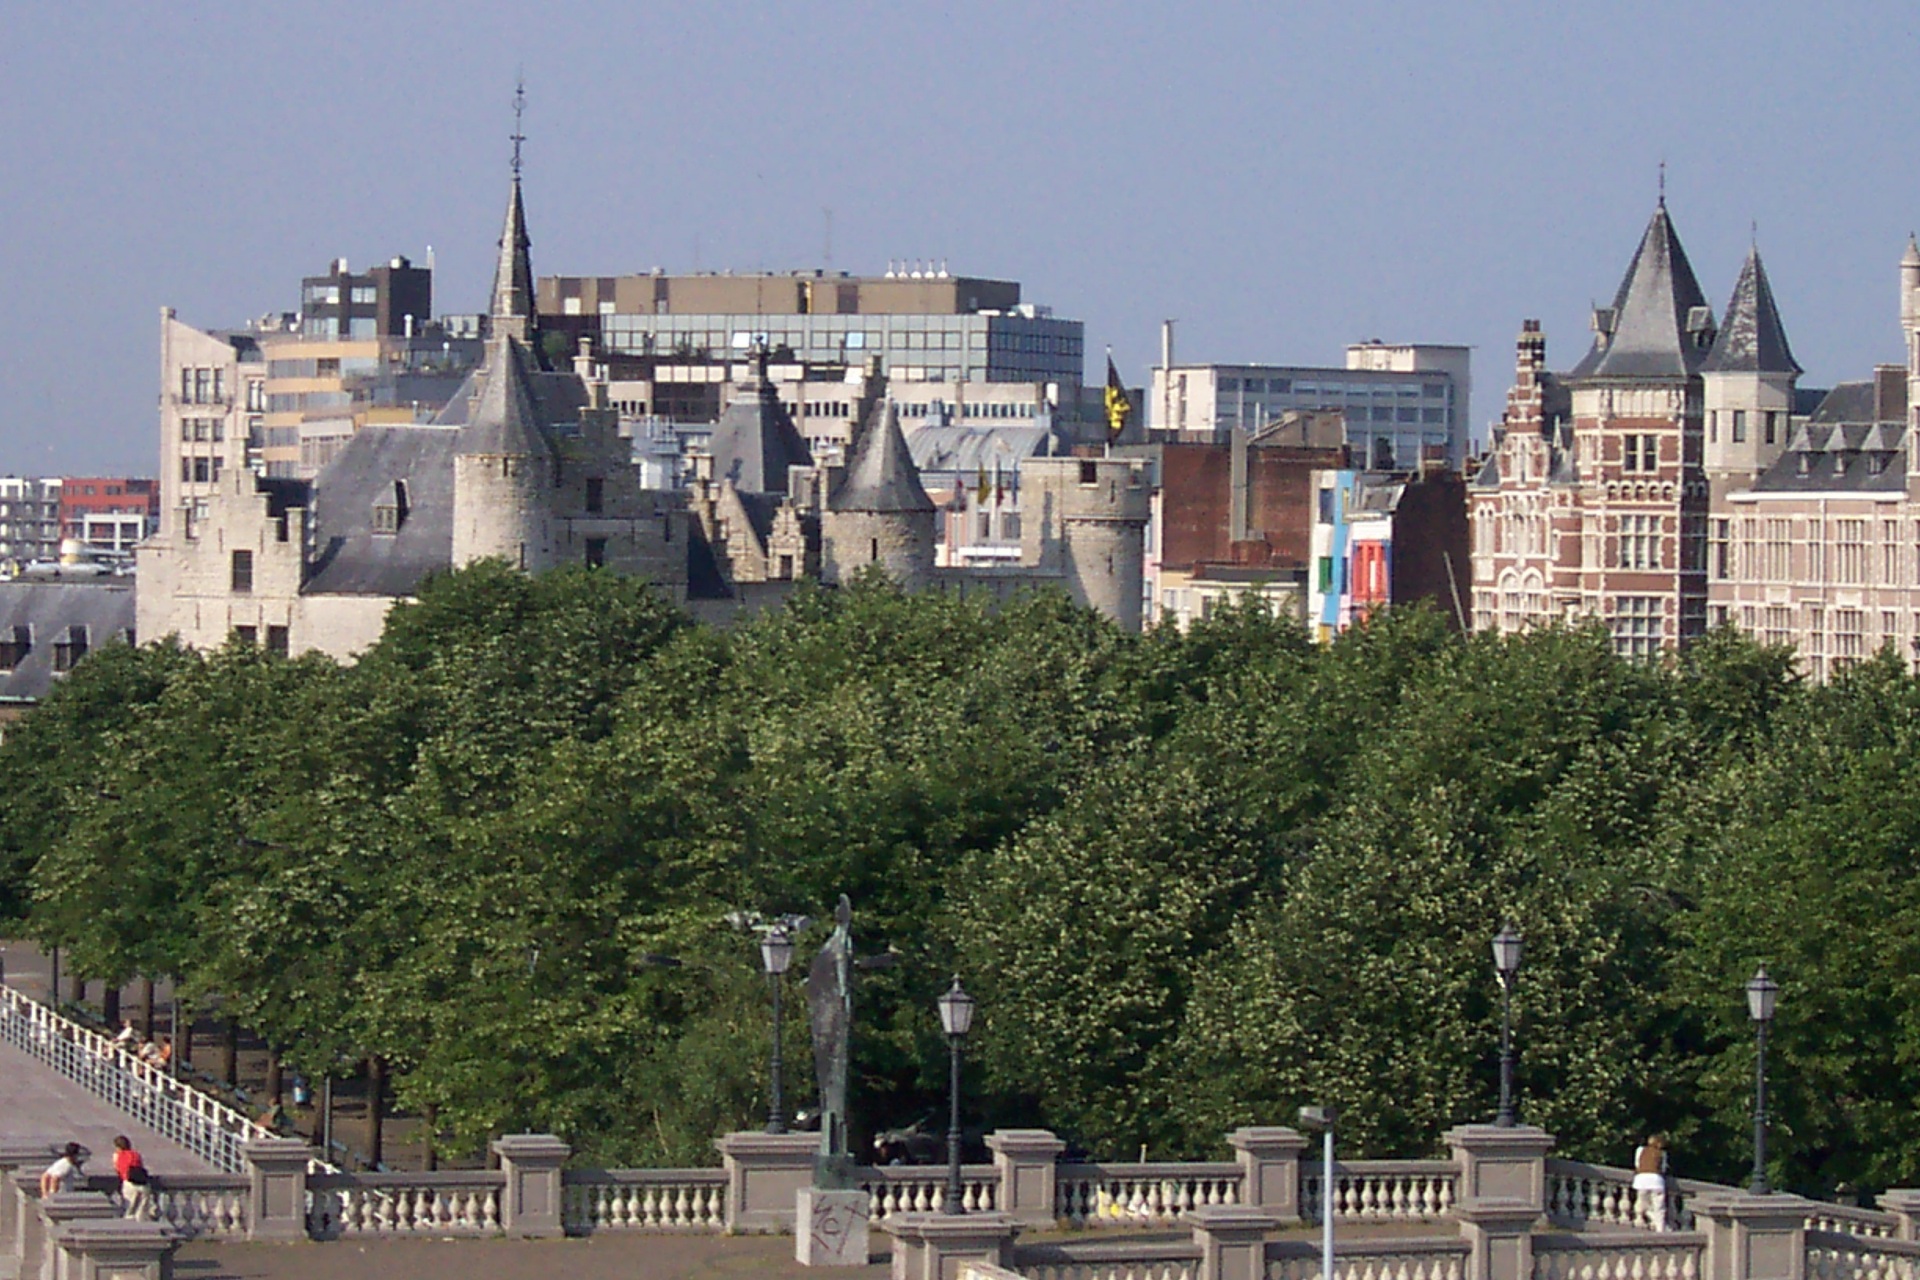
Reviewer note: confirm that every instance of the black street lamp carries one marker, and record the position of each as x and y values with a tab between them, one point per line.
1508	946
776	953
1762	993
956	1018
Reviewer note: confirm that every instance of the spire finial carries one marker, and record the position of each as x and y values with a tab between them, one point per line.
519	108
1753	234
1663	184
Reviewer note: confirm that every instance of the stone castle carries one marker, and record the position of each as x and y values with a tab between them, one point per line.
526	464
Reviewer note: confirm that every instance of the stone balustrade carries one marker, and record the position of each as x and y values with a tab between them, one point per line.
1833	1255
1108	1260
1382	1190
1671	1256
195	1206
346	1205
644	1200
1850	1220
897	1189
1440	1258
1137	1195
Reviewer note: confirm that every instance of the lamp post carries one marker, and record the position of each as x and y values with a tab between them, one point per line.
1508	946
776	953
1322	1118
956	1018
1762	993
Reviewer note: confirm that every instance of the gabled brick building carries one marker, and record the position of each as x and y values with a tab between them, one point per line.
1592	501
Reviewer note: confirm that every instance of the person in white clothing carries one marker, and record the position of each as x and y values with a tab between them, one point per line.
65	1173
1650	1181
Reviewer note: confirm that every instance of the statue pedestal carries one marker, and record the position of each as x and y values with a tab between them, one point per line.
830	1227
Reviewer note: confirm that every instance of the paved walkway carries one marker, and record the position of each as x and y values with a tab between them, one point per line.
36	1102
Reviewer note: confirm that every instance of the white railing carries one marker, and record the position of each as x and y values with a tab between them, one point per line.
644	1200
1382	1190
1835	1255
345	1205
1581	1196
171	1108
1673	1256
1108	1260
906	1188
1436	1259
1135	1195
200	1205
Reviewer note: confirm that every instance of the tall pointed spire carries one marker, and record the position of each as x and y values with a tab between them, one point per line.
1752	339
881	476
1659	325
512	303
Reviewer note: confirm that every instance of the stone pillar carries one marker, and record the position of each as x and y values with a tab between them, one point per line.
764	1173
59	1214
30	1233
1502	1196
1270	1169
118	1249
1752	1237
531	1204
1029	1186
17	1157
934	1246
832	1228
276	1188
1232	1240
1903	1203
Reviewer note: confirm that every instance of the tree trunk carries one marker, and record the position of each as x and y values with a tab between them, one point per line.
183	1043
273	1075
230	1054
428	1115
376	1108
110	1006
146	1007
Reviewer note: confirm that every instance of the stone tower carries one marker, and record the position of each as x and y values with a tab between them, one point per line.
879	514
503	470
1086	521
1748	383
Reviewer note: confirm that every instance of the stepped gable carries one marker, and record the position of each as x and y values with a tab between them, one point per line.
1658	318
755	441
504	421
881	477
1752	338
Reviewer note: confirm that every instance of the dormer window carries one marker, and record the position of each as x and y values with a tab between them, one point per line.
15	646
71	647
391	511
1806	464
1877	464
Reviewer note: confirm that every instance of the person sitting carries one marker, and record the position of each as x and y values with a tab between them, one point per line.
159	1052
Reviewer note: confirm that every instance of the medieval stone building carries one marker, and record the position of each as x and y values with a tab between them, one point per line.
527	465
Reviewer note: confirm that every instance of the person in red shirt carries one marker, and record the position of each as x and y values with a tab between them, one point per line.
134	1179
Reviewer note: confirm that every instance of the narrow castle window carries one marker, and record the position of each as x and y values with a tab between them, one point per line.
596	553
596	495
874	551
1089	473
277	641
242	572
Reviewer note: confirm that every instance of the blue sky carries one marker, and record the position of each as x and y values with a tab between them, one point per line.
1283	179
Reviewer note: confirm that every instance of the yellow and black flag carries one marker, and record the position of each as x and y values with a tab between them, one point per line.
1118	406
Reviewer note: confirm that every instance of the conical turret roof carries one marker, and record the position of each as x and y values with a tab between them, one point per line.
504	422
755	441
1658	317
512	304
881	476
1752	340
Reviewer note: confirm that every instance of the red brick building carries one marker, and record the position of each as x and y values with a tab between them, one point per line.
109	513
1592	501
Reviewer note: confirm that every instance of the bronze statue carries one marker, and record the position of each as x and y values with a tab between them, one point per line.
830	1002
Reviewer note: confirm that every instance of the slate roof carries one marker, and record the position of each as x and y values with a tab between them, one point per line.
513	273
504	421
968	449
47	607
881	477
1841	449
1653	313
1752	338
755	441
348	557
557	397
